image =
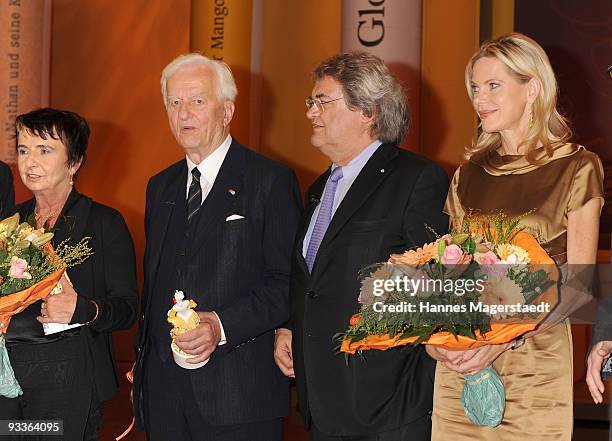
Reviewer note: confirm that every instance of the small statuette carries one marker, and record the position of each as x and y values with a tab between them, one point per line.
183	319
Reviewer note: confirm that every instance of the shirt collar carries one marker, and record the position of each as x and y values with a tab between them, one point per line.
210	166
352	169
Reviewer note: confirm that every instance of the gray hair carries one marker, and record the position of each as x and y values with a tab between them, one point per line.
226	83
369	87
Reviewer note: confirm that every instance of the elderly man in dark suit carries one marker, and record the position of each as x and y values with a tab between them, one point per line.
374	200
7	192
220	225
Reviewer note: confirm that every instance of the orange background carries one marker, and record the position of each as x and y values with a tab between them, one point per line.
107	58
106	61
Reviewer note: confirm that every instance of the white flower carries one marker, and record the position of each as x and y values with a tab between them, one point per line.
512	254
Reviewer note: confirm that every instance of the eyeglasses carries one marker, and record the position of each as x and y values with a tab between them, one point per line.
317	102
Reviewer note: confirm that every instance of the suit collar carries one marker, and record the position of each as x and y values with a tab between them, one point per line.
224	195
70	223
215	207
173	183
371	176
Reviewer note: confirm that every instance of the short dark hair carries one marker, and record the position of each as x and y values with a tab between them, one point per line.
370	87
69	127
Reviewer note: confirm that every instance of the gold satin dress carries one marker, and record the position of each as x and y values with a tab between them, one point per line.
538	375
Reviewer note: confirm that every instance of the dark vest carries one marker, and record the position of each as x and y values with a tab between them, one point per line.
176	261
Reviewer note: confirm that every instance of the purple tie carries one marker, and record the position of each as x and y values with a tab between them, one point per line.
324	217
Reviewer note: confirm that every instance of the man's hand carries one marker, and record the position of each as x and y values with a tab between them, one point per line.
203	340
600	353
59	308
283	354
468	362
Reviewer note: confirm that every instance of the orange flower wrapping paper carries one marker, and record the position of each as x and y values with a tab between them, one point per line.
499	333
15	303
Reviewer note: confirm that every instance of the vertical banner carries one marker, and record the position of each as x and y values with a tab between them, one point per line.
390	29
221	29
256	86
25	43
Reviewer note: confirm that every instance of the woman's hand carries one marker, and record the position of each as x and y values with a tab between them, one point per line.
468	362
59	308
442	355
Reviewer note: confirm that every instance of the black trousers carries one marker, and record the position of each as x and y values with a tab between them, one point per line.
57	385
172	413
419	430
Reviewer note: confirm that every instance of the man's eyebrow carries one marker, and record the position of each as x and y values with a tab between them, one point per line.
321	95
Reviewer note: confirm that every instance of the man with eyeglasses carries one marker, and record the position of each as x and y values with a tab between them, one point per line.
220	225
374	200
7	192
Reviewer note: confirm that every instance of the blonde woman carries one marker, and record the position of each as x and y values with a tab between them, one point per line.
521	160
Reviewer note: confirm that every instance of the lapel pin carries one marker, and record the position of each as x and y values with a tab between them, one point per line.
382	170
232	191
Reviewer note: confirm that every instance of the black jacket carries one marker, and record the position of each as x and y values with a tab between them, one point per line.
240	269
108	278
7	192
386	210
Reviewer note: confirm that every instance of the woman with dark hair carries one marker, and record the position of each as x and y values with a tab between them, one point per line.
523	164
68	375
7	192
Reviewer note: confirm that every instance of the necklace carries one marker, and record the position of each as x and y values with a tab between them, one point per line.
42	220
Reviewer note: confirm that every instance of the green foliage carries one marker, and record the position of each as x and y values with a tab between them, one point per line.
448	311
23	242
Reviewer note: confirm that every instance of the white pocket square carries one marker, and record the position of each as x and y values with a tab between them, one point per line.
233	217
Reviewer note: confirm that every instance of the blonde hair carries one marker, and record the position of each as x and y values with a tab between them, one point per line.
524	59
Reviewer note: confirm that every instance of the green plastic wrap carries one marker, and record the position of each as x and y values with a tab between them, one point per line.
9	386
484	397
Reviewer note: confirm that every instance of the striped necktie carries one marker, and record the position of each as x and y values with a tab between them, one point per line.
194	197
324	217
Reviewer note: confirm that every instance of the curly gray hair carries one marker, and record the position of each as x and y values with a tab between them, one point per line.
368	86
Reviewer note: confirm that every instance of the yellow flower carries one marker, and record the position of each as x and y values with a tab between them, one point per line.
25	231
512	254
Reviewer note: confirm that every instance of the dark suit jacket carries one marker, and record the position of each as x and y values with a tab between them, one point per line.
108	277
243	275
7	192
396	195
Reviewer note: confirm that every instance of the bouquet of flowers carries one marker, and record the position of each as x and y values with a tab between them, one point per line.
30	269
488	282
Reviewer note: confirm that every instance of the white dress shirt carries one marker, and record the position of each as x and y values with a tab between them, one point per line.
209	169
349	173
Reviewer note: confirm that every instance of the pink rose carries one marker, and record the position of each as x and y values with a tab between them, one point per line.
490	264
18	269
446	238
453	255
488	258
